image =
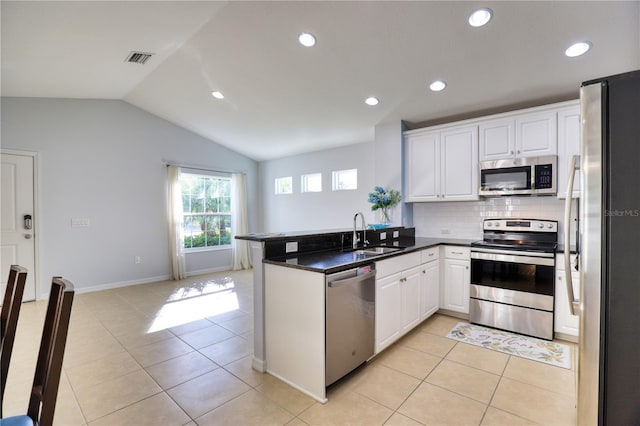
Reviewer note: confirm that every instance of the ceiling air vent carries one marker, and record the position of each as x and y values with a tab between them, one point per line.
139	57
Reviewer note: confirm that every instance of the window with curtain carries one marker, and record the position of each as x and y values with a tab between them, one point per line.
206	206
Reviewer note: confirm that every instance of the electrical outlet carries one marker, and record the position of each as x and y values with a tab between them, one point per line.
445	231
136	259
396	234
291	247
383	236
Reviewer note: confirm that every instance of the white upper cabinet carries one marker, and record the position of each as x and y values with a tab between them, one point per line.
497	139
568	146
459	164
520	135
441	162
536	134
442	165
423	167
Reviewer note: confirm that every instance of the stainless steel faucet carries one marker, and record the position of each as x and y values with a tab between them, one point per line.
356	240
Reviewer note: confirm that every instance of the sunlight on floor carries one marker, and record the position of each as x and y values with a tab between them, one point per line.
198	301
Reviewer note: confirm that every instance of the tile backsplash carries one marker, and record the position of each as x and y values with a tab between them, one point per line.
464	219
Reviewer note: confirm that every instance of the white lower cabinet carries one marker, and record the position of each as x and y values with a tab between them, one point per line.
567	325
429	289
410	296
457	279
388	307
397	306
406	294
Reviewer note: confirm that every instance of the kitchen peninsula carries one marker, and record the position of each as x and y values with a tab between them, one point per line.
289	293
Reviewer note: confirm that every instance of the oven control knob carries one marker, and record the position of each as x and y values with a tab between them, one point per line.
550	225
489	224
541	225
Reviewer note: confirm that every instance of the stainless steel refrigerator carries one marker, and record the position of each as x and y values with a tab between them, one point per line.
609	252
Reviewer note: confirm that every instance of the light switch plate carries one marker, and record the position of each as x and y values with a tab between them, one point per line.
396	234
383	236
291	246
79	222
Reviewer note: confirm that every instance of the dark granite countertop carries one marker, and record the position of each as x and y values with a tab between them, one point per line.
331	261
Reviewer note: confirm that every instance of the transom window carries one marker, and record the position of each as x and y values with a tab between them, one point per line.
284	185
311	183
206	205
345	179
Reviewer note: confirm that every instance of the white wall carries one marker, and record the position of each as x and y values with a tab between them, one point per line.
389	164
103	160
317	211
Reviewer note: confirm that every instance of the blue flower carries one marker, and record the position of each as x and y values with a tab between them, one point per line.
383	198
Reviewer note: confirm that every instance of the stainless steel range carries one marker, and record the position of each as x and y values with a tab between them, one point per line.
513	276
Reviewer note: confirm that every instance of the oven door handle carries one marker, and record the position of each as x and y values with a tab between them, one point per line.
512	258
574	304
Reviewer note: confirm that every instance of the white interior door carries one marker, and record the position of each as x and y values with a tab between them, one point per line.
18	236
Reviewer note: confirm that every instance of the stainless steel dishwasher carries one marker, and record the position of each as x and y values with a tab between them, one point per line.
350	319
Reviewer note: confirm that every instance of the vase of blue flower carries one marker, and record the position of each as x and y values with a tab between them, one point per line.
382	200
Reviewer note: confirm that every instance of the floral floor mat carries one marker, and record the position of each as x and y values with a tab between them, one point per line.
513	344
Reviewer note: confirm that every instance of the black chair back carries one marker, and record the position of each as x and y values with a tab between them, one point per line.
9	321
44	392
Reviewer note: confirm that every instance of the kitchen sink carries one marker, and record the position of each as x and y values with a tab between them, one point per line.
374	251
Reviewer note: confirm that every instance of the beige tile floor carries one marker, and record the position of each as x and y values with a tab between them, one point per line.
179	353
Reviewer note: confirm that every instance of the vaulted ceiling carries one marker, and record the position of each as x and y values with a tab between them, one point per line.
282	98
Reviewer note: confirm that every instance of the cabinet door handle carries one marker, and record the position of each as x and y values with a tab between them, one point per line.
456	252
430	254
511	152
466	267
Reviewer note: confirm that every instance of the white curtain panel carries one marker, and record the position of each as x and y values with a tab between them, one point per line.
239	225
176	241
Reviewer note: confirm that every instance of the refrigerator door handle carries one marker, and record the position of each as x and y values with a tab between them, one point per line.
574	304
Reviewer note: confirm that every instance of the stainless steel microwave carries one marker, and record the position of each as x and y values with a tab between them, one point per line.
519	176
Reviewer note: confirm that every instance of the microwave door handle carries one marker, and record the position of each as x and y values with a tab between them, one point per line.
574	304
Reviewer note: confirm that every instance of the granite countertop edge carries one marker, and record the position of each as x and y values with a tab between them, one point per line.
327	266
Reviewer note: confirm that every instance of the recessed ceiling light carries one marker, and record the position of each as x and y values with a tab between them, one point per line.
578	49
438	86
480	17
217	95
307	39
372	101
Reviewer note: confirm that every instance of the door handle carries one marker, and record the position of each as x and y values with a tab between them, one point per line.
574	304
28	221
352	280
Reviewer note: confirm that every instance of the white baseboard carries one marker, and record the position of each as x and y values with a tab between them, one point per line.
110	286
259	365
209	271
